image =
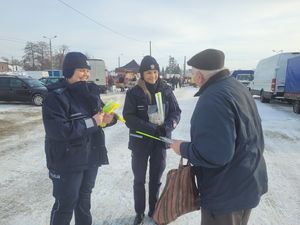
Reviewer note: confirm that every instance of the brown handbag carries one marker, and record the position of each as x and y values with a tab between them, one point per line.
180	195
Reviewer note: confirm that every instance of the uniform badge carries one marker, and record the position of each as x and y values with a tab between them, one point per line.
152	67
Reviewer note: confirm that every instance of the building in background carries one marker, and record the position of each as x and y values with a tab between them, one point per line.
4	66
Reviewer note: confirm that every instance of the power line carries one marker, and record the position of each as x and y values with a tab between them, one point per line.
99	24
20	41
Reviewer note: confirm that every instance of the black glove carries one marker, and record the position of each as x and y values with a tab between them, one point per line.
160	131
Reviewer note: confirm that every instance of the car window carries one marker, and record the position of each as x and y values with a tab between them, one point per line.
16	83
248	77
51	81
34	83
4	81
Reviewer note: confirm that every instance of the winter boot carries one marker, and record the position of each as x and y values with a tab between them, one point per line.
139	219
150	213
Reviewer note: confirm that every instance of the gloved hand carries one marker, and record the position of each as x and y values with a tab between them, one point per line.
160	131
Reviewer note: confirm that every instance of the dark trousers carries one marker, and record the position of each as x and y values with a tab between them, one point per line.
72	193
139	164
234	218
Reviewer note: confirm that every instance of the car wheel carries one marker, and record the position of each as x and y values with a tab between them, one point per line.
37	99
263	99
296	107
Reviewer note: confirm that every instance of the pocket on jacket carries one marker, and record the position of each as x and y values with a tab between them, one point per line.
76	152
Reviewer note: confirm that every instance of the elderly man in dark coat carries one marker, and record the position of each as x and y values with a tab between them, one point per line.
227	144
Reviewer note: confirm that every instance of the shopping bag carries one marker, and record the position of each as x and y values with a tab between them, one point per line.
179	196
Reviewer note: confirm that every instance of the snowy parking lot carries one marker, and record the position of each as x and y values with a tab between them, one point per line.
25	197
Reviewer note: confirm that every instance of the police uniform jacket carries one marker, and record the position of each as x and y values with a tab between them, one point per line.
73	141
135	113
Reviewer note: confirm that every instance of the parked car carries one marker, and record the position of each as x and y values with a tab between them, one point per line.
50	80
21	89
243	76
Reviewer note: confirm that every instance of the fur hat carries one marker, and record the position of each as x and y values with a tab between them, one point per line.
148	63
72	61
209	59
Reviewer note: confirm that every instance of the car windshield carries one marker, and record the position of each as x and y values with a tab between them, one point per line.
53	80
248	77
34	83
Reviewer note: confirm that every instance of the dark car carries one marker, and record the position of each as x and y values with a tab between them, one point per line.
21	89
50	80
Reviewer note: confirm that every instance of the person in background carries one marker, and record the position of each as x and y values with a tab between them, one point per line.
74	141
140	113
227	144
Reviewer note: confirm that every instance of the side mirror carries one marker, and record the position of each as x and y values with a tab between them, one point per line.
24	86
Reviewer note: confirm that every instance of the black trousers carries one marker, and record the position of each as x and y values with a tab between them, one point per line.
234	218
157	161
72	193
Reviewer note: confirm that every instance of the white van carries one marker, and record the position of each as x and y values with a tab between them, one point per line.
98	73
269	76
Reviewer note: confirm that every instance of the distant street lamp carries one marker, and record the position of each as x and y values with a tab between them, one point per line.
50	50
277	51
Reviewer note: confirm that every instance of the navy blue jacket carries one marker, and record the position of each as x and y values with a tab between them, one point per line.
135	113
227	146
73	141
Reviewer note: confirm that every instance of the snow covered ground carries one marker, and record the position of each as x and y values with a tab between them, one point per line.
25	196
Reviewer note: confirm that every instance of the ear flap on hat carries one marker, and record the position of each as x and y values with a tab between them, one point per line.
68	73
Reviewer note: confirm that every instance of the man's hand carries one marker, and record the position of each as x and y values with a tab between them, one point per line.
108	118
160	131
176	146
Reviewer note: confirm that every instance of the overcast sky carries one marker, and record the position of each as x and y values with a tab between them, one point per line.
246	31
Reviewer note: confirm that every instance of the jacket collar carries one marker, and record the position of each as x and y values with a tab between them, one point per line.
214	79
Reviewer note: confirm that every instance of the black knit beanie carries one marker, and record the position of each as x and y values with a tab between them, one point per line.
72	61
148	63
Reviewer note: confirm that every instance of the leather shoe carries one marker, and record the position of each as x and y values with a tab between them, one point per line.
139	219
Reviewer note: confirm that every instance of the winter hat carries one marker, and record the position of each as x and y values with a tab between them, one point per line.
72	61
148	63
209	59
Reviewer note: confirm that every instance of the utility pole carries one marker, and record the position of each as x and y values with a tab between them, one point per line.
50	51
119	59
12	63
184	65
150	48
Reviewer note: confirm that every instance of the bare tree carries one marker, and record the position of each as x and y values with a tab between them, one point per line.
60	55
29	59
43	55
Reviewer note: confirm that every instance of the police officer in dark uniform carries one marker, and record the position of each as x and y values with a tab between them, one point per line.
74	142
140	110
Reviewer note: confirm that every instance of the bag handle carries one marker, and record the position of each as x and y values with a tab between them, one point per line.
181	162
